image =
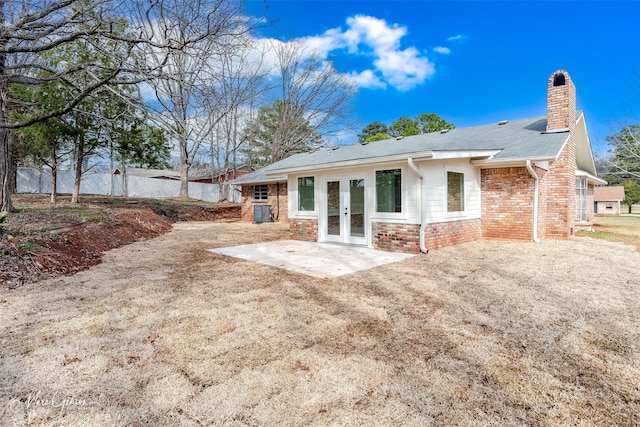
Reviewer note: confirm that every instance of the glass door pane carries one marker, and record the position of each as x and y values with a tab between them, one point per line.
356	208
333	208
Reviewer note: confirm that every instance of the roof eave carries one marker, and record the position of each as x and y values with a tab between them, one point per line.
269	180
502	163
352	163
590	178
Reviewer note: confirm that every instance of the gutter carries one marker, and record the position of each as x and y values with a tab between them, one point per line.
423	211
533	173
342	164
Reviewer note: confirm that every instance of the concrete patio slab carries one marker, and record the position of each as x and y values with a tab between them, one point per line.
324	260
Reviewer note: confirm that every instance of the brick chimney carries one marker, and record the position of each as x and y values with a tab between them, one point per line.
561	102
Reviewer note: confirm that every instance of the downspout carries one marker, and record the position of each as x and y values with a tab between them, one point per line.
533	173
277	201
423	211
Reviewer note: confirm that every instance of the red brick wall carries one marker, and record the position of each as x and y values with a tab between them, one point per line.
277	197
560	193
508	193
406	237
396	237
304	229
452	233
507	203
560	181
561	102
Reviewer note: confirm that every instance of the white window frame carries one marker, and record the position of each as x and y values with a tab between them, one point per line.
582	200
403	202
297	210
463	212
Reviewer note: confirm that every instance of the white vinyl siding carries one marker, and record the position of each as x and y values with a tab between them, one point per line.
409	212
434	197
436	190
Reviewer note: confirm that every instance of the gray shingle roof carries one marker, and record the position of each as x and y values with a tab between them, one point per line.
259	177
515	140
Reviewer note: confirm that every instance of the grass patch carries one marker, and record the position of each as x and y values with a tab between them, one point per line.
30	246
81	212
606	346
622	229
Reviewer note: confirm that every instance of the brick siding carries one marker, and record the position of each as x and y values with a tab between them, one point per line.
560	181
277	197
507	193
406	237
304	229
507	203
396	237
443	234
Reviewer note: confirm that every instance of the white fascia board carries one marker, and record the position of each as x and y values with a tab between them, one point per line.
592	178
542	162
584	153
464	154
272	180
353	163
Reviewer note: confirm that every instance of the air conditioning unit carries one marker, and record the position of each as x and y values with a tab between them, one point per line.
262	213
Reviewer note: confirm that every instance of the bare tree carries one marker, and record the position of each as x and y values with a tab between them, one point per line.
242	79
189	40
313	101
623	160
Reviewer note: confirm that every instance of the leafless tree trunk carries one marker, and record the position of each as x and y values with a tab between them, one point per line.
54	178
125	191
79	158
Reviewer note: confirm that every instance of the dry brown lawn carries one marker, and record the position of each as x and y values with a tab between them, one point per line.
487	333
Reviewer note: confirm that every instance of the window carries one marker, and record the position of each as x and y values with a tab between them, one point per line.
389	190
608	206
455	192
582	200
260	192
306	201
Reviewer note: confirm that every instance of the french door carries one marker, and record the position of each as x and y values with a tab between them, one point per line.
343	213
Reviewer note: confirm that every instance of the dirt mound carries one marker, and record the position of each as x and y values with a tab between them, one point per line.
75	247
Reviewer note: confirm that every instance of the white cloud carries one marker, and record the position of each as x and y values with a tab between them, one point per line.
442	50
367	79
402	68
456	38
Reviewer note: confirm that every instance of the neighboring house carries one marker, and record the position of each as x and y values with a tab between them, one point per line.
524	179
607	200
219	177
151	173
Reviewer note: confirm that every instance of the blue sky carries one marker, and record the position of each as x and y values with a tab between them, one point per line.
473	62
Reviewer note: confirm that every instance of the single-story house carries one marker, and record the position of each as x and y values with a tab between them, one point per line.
607	200
525	179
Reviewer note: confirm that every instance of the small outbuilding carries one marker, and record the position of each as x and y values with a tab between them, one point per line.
608	200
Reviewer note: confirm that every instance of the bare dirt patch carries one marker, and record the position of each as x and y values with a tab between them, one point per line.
486	333
45	241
